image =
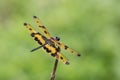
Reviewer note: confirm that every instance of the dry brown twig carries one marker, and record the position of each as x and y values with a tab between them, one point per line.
54	70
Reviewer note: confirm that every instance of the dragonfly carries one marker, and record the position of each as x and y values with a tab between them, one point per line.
51	45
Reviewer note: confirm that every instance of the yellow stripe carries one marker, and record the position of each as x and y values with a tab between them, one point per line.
40	38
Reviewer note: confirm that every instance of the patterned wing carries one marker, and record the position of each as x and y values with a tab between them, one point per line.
43	28
55	53
66	47
37	36
62	58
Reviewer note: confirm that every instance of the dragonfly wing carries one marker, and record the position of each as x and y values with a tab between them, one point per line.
55	53
66	47
37	36
41	26
62	58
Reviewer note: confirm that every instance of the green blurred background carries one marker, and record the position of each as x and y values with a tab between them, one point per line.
91	27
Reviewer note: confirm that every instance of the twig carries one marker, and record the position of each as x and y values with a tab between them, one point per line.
54	70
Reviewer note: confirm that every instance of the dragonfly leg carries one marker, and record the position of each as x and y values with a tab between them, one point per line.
38	47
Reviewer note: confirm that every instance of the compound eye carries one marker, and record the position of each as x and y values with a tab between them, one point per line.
57	38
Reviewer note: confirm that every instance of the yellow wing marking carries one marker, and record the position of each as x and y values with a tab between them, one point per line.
66	47
37	36
57	55
28	26
62	58
40	25
40	38
52	49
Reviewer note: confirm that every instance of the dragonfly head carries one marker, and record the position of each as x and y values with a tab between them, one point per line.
57	38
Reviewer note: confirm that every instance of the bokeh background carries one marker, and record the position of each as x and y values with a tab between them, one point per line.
91	27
